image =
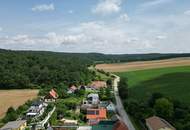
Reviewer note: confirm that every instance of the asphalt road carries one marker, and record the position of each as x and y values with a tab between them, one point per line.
124	116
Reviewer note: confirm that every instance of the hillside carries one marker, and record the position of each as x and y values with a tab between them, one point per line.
172	82
27	69
37	69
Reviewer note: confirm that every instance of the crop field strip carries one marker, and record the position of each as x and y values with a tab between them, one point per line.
15	98
142	65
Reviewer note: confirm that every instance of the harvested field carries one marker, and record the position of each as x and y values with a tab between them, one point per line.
143	65
15	98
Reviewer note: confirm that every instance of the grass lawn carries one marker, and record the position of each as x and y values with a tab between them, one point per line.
173	82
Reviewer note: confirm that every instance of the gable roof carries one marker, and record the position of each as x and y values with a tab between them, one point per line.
98	84
37	103
96	113
157	123
53	93
13	125
120	126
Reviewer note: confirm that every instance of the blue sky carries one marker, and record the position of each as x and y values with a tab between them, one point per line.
106	26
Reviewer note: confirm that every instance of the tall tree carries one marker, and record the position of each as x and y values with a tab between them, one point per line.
164	108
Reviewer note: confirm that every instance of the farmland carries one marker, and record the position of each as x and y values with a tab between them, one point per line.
142	65
172	82
15	98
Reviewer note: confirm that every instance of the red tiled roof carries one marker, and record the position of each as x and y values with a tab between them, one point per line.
53	93
120	126
96	113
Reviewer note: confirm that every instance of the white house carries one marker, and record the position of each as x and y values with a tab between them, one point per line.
108	105
93	98
36	109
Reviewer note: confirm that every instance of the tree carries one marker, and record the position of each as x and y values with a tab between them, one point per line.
164	108
109	82
53	119
108	93
153	98
123	88
11	115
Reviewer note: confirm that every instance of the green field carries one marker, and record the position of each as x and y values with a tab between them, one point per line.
173	82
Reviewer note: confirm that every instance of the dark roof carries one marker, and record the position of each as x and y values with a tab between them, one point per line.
37	103
13	125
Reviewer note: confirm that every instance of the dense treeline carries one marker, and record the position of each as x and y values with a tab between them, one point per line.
175	112
113	58
34	69
30	69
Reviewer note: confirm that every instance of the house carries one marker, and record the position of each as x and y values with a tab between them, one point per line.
110	125
72	89
93	98
68	122
157	123
95	115
15	125
120	125
36	109
104	125
51	96
96	85
92	101
108	105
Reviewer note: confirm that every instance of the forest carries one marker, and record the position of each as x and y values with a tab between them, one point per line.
24	69
36	69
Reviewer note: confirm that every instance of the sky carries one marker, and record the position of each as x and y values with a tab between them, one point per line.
103	26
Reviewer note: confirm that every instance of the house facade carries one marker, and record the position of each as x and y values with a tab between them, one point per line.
95	115
36	109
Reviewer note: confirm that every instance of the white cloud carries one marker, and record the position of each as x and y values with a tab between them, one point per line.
1	29
161	37
124	17
107	7
187	12
46	42
64	39
44	7
151	3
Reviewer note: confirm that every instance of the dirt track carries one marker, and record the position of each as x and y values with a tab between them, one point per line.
14	98
142	65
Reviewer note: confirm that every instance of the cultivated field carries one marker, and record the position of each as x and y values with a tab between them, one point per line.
142	65
14	98
172	81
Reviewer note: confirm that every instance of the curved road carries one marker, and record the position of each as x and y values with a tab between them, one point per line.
119	105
